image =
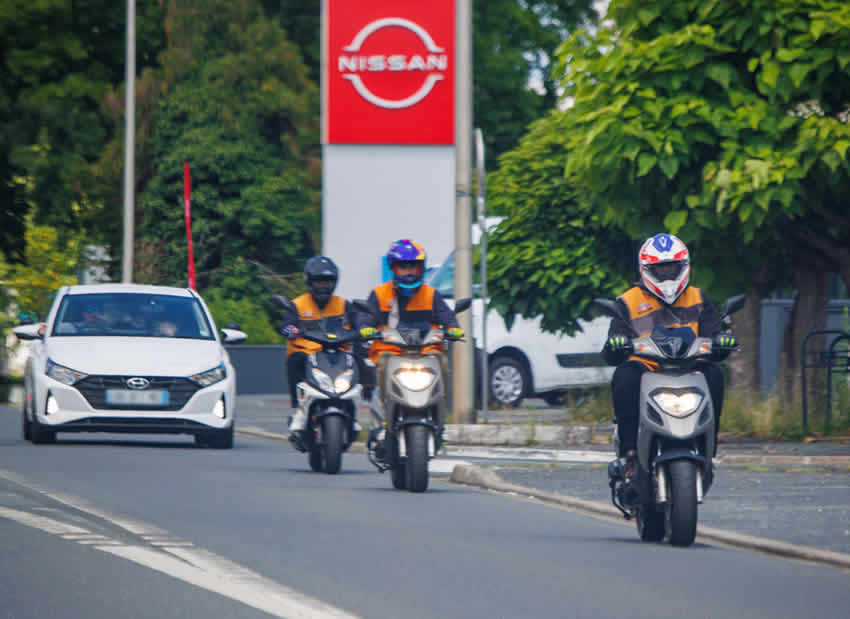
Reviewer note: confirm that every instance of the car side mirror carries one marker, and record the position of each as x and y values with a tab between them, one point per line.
233	336
33	331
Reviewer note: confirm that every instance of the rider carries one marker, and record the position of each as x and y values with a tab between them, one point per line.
662	298
406	299
320	276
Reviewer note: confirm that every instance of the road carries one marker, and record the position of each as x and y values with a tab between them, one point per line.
106	526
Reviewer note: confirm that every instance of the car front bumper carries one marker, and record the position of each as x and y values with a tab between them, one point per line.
71	411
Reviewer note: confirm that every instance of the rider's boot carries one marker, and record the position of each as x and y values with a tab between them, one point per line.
297	425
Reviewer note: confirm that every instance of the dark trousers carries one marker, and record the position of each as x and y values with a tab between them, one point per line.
295	370
625	389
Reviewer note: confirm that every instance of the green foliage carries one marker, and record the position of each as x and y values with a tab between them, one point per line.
250	315
48	264
680	123
552	254
59	60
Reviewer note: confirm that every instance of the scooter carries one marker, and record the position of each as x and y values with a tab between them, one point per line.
408	403
330	396
675	442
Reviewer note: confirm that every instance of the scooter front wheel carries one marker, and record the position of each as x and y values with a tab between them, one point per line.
332	439
417	457
681	511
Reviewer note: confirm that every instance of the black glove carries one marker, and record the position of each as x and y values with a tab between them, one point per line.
724	342
619	344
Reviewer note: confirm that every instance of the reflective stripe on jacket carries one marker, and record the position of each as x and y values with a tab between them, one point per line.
309	315
646	312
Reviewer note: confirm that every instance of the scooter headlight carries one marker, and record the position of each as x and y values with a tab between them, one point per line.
343	381
677	404
323	380
415	379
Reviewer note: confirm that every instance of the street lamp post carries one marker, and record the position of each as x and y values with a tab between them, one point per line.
129	143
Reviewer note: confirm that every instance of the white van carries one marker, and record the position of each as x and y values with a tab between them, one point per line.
526	361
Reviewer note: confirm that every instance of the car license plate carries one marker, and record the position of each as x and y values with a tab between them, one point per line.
154	397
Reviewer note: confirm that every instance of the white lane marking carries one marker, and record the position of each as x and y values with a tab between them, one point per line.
545	455
183	561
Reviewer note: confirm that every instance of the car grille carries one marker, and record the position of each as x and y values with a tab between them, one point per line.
179	390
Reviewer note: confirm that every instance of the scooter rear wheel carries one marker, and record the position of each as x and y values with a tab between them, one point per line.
650	523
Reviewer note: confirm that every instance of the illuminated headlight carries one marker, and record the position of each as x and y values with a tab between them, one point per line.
343	381
64	375
415	379
210	377
678	404
323	380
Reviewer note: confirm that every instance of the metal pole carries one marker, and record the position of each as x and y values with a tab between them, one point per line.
482	223
129	140
463	353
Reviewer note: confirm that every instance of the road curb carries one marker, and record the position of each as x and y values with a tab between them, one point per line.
472	475
356	448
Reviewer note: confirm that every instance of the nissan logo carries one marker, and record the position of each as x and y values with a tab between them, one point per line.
137	382
431	65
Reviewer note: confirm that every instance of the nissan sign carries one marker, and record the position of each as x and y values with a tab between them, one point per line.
389	72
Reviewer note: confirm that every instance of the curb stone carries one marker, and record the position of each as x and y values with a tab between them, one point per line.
472	475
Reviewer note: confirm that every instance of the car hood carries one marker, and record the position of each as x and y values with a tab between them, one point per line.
146	356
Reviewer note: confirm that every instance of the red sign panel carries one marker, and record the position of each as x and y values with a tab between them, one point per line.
390	72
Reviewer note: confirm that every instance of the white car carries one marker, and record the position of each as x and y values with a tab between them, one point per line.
129	358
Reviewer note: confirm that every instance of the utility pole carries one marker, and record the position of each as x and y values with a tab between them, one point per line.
463	353
129	145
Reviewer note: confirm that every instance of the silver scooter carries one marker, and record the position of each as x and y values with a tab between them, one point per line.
675	442
410	405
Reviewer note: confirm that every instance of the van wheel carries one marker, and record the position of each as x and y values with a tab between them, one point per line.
508	381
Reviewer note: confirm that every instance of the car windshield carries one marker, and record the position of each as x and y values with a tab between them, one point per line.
132	314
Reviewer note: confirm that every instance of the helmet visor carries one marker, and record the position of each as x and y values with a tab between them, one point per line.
665	271
322	284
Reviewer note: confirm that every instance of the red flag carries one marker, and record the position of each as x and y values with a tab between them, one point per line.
187	213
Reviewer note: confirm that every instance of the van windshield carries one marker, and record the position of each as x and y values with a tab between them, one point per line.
443	278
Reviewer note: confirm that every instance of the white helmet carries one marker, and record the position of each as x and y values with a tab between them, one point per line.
665	266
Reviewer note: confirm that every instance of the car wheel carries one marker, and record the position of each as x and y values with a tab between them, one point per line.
25	422
221	439
508	381
40	436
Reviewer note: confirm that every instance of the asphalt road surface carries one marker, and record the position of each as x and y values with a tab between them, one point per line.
107	526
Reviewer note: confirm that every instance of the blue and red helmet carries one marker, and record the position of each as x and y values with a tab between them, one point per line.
408	252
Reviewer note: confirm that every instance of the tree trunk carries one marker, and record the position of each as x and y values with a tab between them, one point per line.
744	365
809	312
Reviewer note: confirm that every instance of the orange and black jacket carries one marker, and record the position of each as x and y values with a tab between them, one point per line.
646	312
427	306
309	315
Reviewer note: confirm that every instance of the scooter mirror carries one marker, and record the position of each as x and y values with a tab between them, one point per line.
284	303
462	305
733	304
361	306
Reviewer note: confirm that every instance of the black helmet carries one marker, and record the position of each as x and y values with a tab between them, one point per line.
321	275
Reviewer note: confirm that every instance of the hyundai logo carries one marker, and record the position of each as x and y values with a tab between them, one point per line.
137	382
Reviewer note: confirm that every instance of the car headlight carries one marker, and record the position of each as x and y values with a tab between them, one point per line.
64	375
415	379
210	377
678	404
343	381
323	380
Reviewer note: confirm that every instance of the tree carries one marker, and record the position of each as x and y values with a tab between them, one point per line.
59	60
514	45
690	116
48	264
